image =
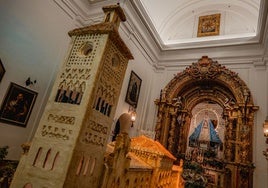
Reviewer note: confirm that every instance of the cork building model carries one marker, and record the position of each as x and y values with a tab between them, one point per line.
69	145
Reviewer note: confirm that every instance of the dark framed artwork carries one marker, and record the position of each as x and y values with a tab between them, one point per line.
133	89
17	105
209	25
2	70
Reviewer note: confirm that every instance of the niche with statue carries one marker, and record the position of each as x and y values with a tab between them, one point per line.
206	117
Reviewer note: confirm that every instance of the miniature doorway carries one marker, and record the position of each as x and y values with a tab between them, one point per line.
116	130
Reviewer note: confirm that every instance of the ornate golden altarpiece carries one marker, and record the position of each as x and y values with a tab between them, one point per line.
207	80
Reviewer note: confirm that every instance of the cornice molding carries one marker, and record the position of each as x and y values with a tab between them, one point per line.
141	38
147	22
260	64
131	28
216	41
84	12
140	32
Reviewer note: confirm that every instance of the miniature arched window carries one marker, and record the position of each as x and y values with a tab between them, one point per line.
113	183
28	185
147	181
107	19
45	163
116	130
55	160
92	166
118	182
135	182
127	183
80	164
86	166
37	156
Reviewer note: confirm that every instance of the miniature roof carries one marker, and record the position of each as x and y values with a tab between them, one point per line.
150	145
117	9
145	144
107	28
135	162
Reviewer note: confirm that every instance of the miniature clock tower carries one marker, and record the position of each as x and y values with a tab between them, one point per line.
69	145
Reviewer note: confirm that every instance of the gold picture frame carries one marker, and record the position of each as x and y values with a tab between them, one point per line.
17	105
209	25
133	90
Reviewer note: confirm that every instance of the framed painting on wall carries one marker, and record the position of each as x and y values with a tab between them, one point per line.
209	25
17	105
133	89
2	70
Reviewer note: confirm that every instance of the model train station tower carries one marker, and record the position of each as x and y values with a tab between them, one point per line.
69	145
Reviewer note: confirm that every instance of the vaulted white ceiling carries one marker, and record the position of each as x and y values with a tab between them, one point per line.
175	22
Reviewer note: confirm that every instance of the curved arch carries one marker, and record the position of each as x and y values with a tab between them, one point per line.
204	72
122	125
212	111
194	92
116	130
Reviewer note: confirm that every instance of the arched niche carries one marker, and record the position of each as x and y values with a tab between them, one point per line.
206	81
122	125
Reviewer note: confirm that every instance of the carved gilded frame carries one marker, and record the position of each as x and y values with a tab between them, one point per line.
209	25
17	105
133	90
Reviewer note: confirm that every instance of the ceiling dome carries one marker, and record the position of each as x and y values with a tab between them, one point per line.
176	22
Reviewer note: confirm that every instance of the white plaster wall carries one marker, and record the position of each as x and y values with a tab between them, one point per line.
145	71
33	42
258	82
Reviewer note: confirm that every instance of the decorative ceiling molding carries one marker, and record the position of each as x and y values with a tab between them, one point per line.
170	57
84	12
190	43
137	28
260	64
139	34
